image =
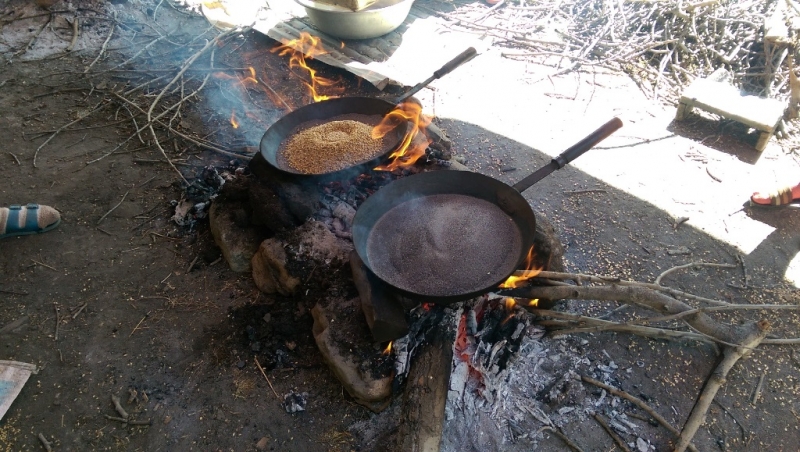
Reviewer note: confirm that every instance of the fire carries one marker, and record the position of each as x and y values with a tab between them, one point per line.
514	281
510	303
388	348
409	151
311	47
242	83
533	303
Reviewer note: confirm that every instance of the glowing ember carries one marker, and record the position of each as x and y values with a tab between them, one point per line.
426	307
388	348
408	152
515	281
311	47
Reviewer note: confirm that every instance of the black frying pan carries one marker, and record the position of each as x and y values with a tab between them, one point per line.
446	236
327	109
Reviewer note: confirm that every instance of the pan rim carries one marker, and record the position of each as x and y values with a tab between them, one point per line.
283	126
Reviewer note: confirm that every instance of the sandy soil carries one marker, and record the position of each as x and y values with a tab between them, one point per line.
111	305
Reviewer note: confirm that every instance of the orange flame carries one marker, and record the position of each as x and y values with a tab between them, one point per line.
514	281
410	150
311	47
234	121
533	303
388	348
510	303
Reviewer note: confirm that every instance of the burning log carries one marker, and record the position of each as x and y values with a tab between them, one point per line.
425	395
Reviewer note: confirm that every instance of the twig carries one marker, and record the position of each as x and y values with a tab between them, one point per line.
97	107
35	36
605	325
620	442
702	323
146	182
638	402
267	378
691	264
103	47
278	96
745	433
138	324
15	158
58	321
490	10
191	266
103	231
563	437
43	264
716	380
112	209
732	307
47	446
83	306
118	407
757	392
75	31
180	73
13	292
128	421
77	142
622	282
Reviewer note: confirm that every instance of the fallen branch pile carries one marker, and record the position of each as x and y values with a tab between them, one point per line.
663	45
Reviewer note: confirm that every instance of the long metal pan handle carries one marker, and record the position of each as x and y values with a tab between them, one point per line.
570	154
462	58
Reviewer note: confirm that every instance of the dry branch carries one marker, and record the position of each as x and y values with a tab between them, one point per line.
638	402
580	278
650	299
730	356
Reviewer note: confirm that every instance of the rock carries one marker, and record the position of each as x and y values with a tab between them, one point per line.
269	269
237	241
302	200
320	244
268	208
382	311
263	443
373	393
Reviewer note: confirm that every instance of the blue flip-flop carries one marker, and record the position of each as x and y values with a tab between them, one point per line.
12	226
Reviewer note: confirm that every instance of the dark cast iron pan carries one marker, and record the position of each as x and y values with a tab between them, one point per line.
327	109
447	236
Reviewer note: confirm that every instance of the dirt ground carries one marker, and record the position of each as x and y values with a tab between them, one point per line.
121	300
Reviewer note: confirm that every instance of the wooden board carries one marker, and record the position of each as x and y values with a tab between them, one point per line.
726	100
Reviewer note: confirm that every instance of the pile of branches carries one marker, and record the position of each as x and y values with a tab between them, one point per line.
662	44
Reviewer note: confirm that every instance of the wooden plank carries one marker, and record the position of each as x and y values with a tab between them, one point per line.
727	101
425	396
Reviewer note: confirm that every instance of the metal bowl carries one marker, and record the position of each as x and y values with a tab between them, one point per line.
376	20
